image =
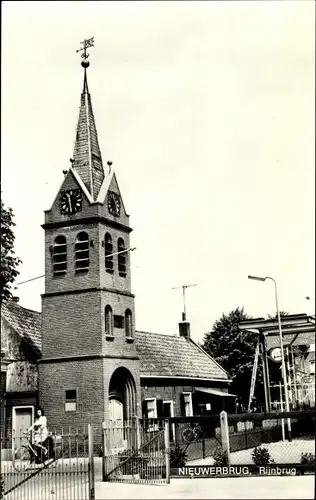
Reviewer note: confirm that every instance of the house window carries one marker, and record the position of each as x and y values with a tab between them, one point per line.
121	257
128	323
118	321
82	259
187	404
108	321
108	250
150	412
71	400
312	367
151	408
60	255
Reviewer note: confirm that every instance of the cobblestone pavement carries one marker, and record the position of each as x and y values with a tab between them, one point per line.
294	487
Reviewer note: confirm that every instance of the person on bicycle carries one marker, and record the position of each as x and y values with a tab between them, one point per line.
40	431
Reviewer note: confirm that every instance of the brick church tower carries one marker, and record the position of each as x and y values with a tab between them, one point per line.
89	371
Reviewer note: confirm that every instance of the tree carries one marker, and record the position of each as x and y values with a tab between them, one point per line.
275	316
234	350
9	262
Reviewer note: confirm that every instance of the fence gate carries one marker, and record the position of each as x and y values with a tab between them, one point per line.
67	473
136	452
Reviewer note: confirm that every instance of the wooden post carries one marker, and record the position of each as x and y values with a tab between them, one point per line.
167	451
138	440
91	463
281	403
225	434
294	376
266	378
289	375
104	452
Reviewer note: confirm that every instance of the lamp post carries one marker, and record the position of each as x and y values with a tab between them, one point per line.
284	376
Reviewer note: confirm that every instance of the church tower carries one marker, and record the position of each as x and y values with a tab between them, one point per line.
89	371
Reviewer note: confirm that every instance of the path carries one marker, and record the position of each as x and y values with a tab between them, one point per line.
291	488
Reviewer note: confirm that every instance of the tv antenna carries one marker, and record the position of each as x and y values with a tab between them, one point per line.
184	287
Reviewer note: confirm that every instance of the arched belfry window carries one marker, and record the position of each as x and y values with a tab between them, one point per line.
128	323
108	316
60	255
82	257
108	250
121	258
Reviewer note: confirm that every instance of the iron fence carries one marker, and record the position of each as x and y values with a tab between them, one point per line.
62	470
136	451
288	438
194	438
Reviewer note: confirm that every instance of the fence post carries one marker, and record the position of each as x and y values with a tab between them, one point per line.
167	451
138	441
91	463
104	452
225	434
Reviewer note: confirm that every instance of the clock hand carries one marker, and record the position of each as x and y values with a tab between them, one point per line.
69	201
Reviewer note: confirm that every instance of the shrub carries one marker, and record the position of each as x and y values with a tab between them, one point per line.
307	458
220	458
178	457
261	456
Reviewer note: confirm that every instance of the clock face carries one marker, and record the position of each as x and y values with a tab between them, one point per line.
70	201
114	204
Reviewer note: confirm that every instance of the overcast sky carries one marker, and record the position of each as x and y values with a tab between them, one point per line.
207	111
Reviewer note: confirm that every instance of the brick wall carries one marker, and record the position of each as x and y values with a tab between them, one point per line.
86	377
75	324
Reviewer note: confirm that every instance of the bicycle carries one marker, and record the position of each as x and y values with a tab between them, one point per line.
193	433
26	454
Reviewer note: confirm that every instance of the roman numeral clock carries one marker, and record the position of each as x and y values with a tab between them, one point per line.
70	201
114	204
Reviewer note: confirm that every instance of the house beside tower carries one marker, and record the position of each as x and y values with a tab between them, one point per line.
91	364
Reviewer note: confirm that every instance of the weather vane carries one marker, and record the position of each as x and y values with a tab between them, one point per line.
86	44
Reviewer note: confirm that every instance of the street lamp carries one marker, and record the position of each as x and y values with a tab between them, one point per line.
286	396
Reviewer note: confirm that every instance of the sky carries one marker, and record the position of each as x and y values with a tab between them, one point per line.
206	110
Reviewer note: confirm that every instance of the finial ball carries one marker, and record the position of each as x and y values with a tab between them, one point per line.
85	64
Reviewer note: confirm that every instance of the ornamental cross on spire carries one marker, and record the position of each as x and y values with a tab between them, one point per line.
86	44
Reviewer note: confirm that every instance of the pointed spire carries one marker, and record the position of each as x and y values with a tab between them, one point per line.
87	159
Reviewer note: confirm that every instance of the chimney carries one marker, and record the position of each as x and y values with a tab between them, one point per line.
184	327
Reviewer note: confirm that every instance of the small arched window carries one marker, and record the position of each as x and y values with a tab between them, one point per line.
60	255
121	258
82	258
128	323
108	250
108	316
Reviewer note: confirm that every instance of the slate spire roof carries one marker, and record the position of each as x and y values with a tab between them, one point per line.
87	159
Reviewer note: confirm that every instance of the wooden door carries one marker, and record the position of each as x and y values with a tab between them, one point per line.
22	420
116	424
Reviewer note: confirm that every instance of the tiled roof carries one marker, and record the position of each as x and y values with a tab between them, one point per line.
87	160
166	355
26	323
303	338
160	355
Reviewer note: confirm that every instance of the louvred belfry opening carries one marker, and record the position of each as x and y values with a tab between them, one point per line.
87	159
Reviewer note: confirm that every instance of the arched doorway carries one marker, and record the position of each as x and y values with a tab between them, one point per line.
122	395
122	408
